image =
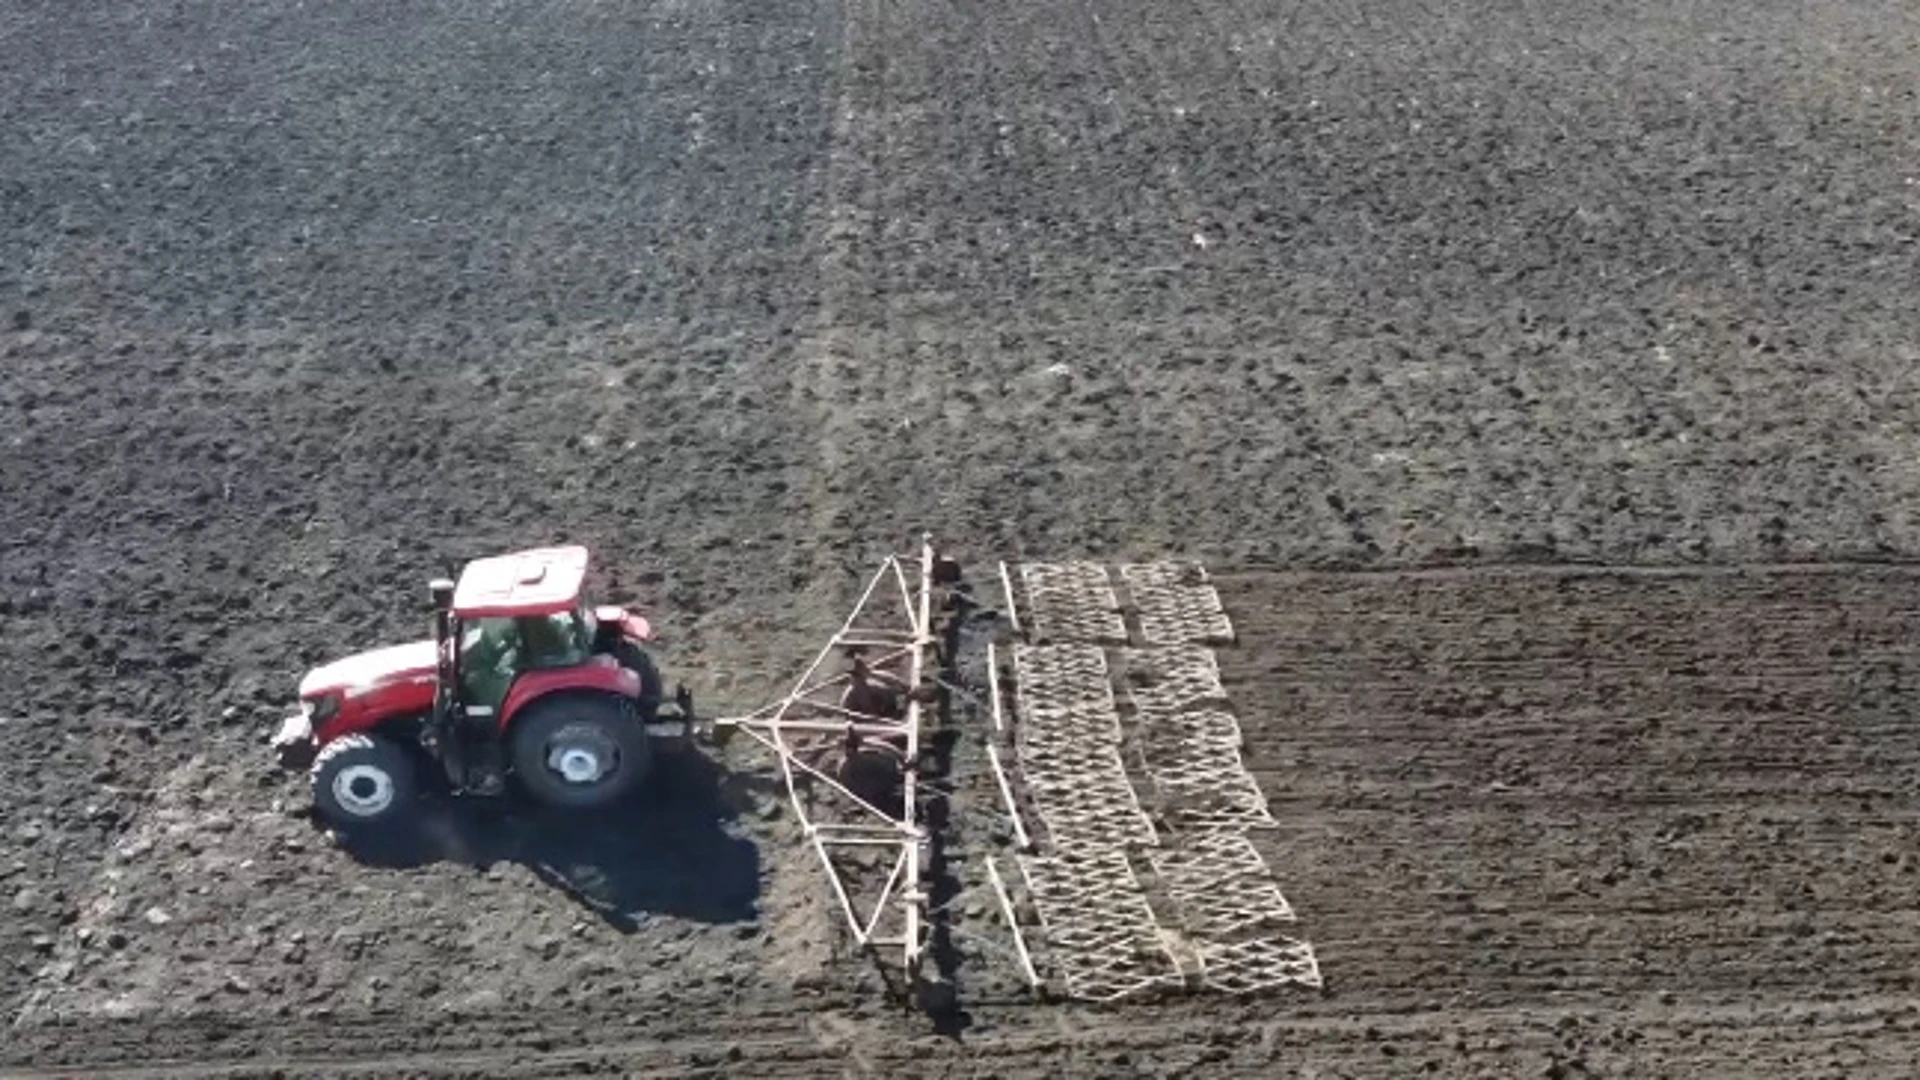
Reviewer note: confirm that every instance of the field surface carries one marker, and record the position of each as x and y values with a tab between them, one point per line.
1537	380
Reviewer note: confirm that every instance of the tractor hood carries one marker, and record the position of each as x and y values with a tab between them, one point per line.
365	671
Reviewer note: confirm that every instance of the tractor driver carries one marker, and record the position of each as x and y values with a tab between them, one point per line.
488	662
551	641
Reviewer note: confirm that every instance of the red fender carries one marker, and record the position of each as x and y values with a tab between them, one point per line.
601	673
630	624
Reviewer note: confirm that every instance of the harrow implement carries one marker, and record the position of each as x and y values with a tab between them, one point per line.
1122	899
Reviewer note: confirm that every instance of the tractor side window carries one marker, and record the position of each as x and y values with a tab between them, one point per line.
485	642
559	640
489	656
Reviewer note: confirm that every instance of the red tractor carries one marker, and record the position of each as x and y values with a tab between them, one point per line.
523	679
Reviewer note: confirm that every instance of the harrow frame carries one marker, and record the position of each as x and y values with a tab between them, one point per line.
803	723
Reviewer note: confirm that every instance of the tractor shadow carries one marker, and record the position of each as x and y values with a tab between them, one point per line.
668	850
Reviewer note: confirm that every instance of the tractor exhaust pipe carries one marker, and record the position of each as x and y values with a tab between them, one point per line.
441	591
444	646
442	733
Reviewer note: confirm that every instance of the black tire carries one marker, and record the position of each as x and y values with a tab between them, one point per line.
559	740
363	782
631	656
875	774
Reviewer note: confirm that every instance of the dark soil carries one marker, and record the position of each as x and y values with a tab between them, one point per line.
303	304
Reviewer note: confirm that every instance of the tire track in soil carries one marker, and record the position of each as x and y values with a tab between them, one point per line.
1691	1039
882	354
826	396
837	361
1589	787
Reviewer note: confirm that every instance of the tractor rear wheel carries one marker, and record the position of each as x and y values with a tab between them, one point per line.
580	751
631	656
362	781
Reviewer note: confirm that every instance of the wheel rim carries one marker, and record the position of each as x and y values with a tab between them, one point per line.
363	790
582	755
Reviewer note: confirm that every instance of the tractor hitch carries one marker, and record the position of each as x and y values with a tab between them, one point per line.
677	722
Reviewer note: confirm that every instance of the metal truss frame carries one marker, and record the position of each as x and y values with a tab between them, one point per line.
821	714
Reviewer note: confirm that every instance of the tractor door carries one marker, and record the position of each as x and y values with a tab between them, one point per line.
496	650
489	659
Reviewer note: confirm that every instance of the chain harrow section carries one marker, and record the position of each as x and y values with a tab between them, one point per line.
1083	798
1072	602
1176	604
1202	787
1068	739
1220	885
1101	930
1166	680
1172	737
1099	921
1065	692
1257	965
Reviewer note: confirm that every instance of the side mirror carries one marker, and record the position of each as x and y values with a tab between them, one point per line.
442	592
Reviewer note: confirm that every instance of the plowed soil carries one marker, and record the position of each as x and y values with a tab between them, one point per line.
1537	380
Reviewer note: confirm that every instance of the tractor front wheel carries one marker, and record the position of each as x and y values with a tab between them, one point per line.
580	751
361	781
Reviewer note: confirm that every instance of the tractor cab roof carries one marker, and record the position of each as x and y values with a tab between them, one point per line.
542	581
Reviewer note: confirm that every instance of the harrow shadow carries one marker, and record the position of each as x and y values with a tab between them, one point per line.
668	850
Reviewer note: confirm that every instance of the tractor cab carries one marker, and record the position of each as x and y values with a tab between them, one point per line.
515	613
510	615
